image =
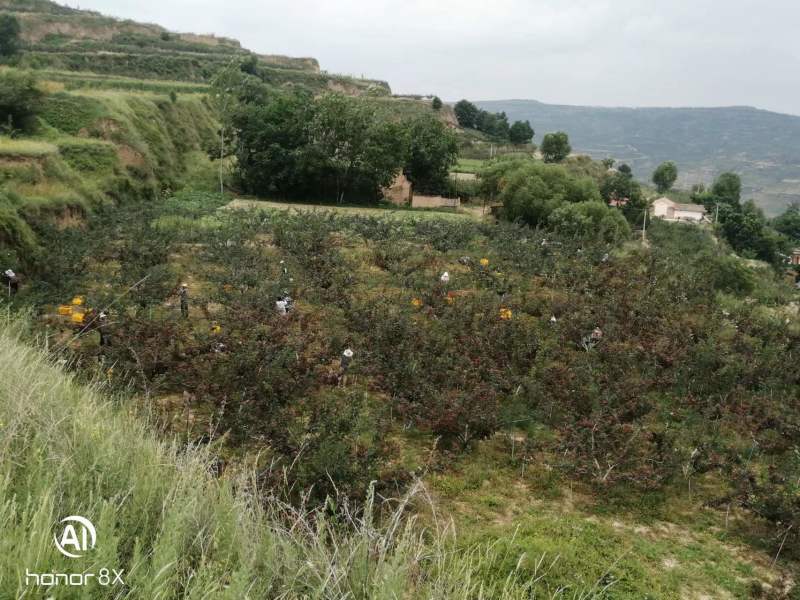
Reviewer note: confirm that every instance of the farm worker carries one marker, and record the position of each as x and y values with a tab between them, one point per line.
347	356
288	299
102	328
184	296
280	306
590	341
283	268
445	278
344	364
12	282
553	320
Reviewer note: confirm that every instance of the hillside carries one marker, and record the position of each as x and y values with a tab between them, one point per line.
65	39
759	145
99	148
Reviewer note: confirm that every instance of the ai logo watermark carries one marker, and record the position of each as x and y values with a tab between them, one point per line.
74	537
70	537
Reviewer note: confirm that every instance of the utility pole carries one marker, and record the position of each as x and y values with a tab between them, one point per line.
644	224
221	157
716	214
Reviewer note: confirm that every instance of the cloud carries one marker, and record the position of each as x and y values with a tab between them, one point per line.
604	52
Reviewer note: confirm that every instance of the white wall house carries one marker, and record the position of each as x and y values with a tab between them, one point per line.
669	210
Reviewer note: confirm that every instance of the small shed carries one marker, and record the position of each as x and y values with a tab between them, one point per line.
399	192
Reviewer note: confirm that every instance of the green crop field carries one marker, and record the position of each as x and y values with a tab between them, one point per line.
469	165
494	464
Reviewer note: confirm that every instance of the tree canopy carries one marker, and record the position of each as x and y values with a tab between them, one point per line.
432	150
466	113
789	222
555	147
351	146
744	225
589	220
294	145
521	132
665	175
9	35
530	190
727	188
495	125
621	187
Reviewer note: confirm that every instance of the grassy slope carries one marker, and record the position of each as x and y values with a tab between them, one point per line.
98	146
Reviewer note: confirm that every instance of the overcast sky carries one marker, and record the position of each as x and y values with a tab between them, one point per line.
599	52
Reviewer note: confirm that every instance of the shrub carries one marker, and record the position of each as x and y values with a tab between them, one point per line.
531	191
20	100
89	157
590	220
70	114
731	275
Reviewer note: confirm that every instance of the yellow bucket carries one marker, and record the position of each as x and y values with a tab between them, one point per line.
77	301
65	310
77	317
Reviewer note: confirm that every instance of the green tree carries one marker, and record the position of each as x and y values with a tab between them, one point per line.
9	35
555	147
436	104
608	162
625	169
619	186
20	99
727	188
355	149
432	150
521	132
272	149
466	113
789	222
494	125
665	175
745	229
625	189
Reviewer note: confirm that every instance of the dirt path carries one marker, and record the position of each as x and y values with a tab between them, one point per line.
464	213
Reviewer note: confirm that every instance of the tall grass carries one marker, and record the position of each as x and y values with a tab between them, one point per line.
25	148
179	532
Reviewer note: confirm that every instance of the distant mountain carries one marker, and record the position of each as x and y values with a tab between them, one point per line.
762	146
